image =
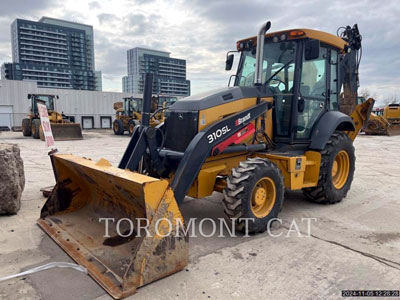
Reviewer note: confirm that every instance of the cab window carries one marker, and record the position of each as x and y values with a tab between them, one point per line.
313	91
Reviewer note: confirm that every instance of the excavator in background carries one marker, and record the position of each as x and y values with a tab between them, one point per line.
62	126
128	113
283	125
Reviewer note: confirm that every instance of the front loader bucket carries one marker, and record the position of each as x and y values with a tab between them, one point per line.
394	129
64	131
127	256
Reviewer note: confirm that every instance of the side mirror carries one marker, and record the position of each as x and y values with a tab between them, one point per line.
229	62
57	97
311	49
29	96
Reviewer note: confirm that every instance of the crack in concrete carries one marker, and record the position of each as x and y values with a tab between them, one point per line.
377	258
382	172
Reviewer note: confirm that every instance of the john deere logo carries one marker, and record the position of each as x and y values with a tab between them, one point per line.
242	120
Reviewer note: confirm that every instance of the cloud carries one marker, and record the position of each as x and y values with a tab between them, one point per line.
14	8
107	18
202	31
94	5
142	2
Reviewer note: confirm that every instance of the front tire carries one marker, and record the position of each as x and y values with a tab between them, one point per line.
131	126
26	127
35	128
118	127
336	172
255	190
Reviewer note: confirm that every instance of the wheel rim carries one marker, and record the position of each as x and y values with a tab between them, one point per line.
33	130
23	126
263	197
340	169
131	126
115	127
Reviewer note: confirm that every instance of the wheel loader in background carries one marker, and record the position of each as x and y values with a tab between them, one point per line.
61	126
384	121
129	113
281	126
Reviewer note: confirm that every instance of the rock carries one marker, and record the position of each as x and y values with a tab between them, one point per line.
12	178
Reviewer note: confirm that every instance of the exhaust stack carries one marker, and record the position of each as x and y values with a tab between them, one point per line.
260	52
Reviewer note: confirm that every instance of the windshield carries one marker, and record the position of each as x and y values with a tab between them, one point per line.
279	62
132	105
278	74
48	100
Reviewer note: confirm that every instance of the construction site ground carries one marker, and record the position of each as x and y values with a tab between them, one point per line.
353	245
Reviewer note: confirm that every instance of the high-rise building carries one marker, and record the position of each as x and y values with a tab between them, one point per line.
54	53
169	73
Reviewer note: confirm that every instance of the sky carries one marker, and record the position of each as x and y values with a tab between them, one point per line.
202	31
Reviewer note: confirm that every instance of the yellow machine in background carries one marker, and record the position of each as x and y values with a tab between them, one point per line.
281	126
61	126
128	113
384	121
392	114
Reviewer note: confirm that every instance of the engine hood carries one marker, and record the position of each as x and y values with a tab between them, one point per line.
218	97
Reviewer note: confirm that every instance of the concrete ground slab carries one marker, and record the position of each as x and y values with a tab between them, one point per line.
354	244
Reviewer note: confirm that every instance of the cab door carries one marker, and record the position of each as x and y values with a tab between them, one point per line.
313	92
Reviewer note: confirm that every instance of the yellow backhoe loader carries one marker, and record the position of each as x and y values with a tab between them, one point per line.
61	126
129	113
281	126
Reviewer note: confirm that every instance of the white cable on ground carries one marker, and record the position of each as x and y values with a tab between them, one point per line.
45	267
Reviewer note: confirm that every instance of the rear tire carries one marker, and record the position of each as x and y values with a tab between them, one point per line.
336	172
35	128
26	127
118	127
254	190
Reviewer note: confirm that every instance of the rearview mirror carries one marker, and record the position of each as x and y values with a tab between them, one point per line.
229	62
311	49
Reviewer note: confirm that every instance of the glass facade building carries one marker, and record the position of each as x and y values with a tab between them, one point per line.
54	53
169	73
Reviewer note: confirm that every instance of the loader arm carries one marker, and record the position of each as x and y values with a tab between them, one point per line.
143	140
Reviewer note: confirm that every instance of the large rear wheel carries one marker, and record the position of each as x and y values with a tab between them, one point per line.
255	190
336	172
26	127
35	128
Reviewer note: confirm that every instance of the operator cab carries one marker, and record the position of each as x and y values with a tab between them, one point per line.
132	105
300	68
47	100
